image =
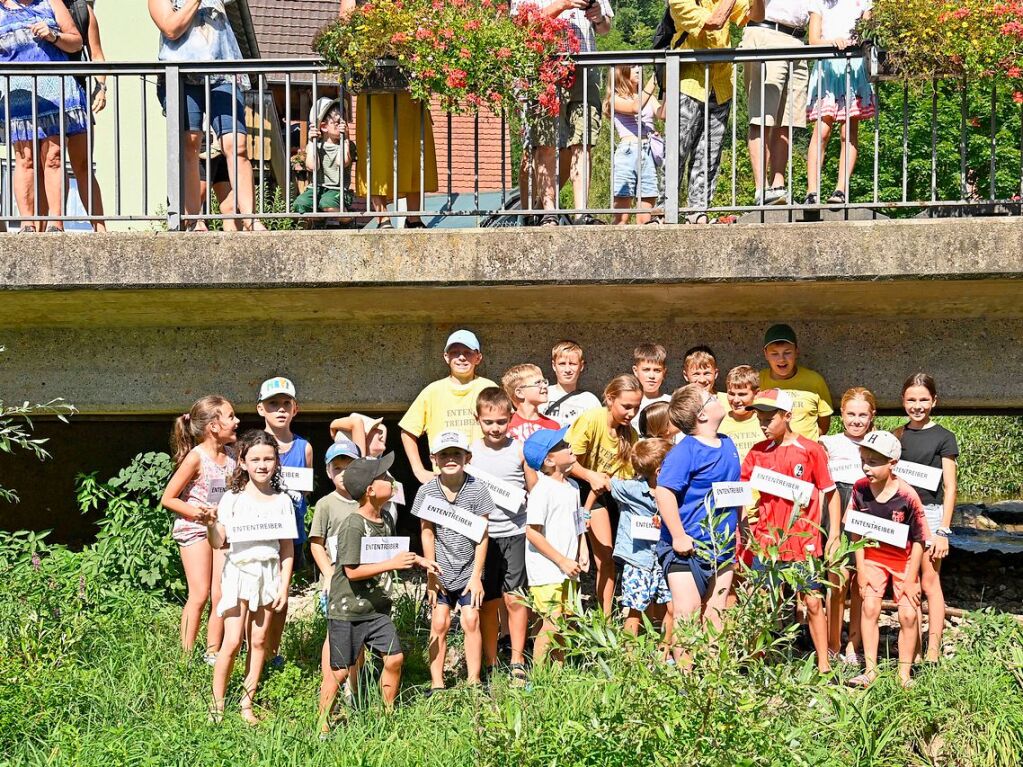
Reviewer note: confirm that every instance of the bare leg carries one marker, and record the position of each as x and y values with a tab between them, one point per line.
543	641
685	605
197	560
390	678
601	544
755	143
440	622
815	155
276	631
518	626
473	642
907	640
24	181
328	691
260	625
81	166
836	611
225	196
622	202
931	582
193	198
544	186
633	620
869	614
215	625
818	625
234	145
778	154
489	629
849	152
51	151
855	643
717	597
234	627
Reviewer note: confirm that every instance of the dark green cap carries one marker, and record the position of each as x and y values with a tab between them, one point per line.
779	334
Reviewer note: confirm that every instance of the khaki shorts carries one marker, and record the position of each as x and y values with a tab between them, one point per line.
784	97
570	126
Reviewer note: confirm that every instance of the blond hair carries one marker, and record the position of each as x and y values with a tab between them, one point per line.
685	406
653	419
699	357
615	389
624	88
743	375
859	392
648	455
190	428
516	376
566	347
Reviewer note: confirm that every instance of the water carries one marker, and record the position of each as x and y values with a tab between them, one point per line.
1006	538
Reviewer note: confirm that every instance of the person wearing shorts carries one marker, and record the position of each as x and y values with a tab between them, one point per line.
775	91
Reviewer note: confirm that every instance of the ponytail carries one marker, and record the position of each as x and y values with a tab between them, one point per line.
624	431
190	428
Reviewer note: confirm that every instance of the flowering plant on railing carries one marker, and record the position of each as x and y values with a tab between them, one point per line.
974	39
469	53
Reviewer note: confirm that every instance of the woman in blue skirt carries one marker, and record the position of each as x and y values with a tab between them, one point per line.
39	30
839	93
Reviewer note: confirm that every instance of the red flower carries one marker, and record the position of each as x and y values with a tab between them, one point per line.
399	37
456	78
465	53
447	33
472	24
1014	71
503	53
1017	97
423	34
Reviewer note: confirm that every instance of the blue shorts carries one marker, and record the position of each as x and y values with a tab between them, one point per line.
625	170
642	587
221	99
453	598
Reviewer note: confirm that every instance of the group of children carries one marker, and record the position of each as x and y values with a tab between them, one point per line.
529	484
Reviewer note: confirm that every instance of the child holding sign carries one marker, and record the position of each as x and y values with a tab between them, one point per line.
846	467
880	498
555	533
497	458
697	542
203	463
644	589
359	610
256	524
453	508
278	406
791	474
929	452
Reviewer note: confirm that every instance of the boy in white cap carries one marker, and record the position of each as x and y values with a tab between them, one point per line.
459	557
792	526
329	156
448	404
883	496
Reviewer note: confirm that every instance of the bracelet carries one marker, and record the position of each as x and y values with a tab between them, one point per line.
944	532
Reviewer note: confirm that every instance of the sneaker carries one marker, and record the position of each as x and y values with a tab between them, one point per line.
776	195
810	199
210	659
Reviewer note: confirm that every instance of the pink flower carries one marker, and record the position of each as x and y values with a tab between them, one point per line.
503	53
399	37
1014	71
472	24
465	53
457	78
1017	97
447	33
423	34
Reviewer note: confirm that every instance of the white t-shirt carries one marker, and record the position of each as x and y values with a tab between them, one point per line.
839	17
569	410
554	506
642	406
244	507
791	13
576	17
841	450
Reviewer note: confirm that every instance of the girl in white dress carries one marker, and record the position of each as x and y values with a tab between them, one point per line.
257	572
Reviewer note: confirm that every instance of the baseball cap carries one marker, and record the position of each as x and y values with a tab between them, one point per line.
319	111
360	473
883	442
464	337
773	399
274	386
540	443
342	447
779	334
449	438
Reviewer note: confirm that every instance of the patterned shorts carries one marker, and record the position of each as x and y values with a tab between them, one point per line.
643	586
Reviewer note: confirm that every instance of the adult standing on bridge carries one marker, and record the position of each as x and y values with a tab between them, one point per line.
775	91
199	30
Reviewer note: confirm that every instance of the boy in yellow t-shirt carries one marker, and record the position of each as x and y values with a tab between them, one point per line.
812	406
448	404
741	424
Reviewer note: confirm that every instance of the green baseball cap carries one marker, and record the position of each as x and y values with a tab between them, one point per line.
779	334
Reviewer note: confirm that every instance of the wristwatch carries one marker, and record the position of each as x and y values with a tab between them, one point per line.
944	532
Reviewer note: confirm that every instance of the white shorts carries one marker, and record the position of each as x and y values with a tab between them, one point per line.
933	514
256	583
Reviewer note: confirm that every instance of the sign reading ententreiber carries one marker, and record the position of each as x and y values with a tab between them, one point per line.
470	525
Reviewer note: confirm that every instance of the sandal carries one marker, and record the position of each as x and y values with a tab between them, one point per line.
861	680
517	672
385	225
550	220
27	229
697	218
837	198
417	224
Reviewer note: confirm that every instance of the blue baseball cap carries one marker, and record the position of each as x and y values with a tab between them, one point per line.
540	443
342	447
464	337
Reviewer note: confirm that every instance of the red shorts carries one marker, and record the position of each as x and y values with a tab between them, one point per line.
873	579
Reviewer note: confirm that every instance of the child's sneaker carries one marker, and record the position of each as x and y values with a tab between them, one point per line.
210	659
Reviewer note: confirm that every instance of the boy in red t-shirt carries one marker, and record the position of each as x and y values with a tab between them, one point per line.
780	522
883	495
527	388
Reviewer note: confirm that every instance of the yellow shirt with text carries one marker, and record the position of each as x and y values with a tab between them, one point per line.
446	405
745	434
595	447
811	398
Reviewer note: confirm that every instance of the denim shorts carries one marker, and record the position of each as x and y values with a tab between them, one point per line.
221	99
625	170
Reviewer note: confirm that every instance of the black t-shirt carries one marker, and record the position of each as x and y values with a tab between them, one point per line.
928	446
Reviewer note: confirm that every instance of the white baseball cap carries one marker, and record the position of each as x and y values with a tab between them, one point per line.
883	442
465	337
447	439
271	387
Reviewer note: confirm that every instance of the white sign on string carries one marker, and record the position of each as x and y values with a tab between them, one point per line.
263	527
845	471
781	485
398	496
506	495
644	529
456	518
378	548
297	479
332	548
918	475
218	487
729	494
877	529
581	515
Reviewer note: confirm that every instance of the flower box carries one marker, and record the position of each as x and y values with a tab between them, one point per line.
386	77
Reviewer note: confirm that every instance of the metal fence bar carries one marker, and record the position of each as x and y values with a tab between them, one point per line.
175	178
671	137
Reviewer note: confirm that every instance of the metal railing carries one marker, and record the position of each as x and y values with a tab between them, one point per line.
897	172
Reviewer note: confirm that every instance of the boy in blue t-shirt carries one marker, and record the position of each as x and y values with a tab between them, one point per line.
697	553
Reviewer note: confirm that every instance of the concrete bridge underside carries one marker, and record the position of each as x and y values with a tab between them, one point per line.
144	323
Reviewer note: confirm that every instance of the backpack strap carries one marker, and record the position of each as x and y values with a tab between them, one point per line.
554	409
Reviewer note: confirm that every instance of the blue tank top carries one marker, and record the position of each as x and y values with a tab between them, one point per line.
295	459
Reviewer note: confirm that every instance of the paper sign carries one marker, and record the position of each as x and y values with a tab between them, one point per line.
398	496
731	494
506	495
263	527
332	548
781	485
877	529
216	492
381	548
845	471
296	479
456	518
643	529
918	475
581	515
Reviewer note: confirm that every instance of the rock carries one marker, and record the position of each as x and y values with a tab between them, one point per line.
981	522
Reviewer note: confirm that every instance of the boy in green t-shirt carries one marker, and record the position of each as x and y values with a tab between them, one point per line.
358	611
812	406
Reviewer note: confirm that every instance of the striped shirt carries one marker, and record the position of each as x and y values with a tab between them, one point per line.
455	552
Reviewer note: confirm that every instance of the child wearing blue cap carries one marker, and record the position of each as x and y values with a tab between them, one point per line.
556	549
448	404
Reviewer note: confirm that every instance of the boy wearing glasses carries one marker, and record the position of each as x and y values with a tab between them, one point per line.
448	404
527	388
